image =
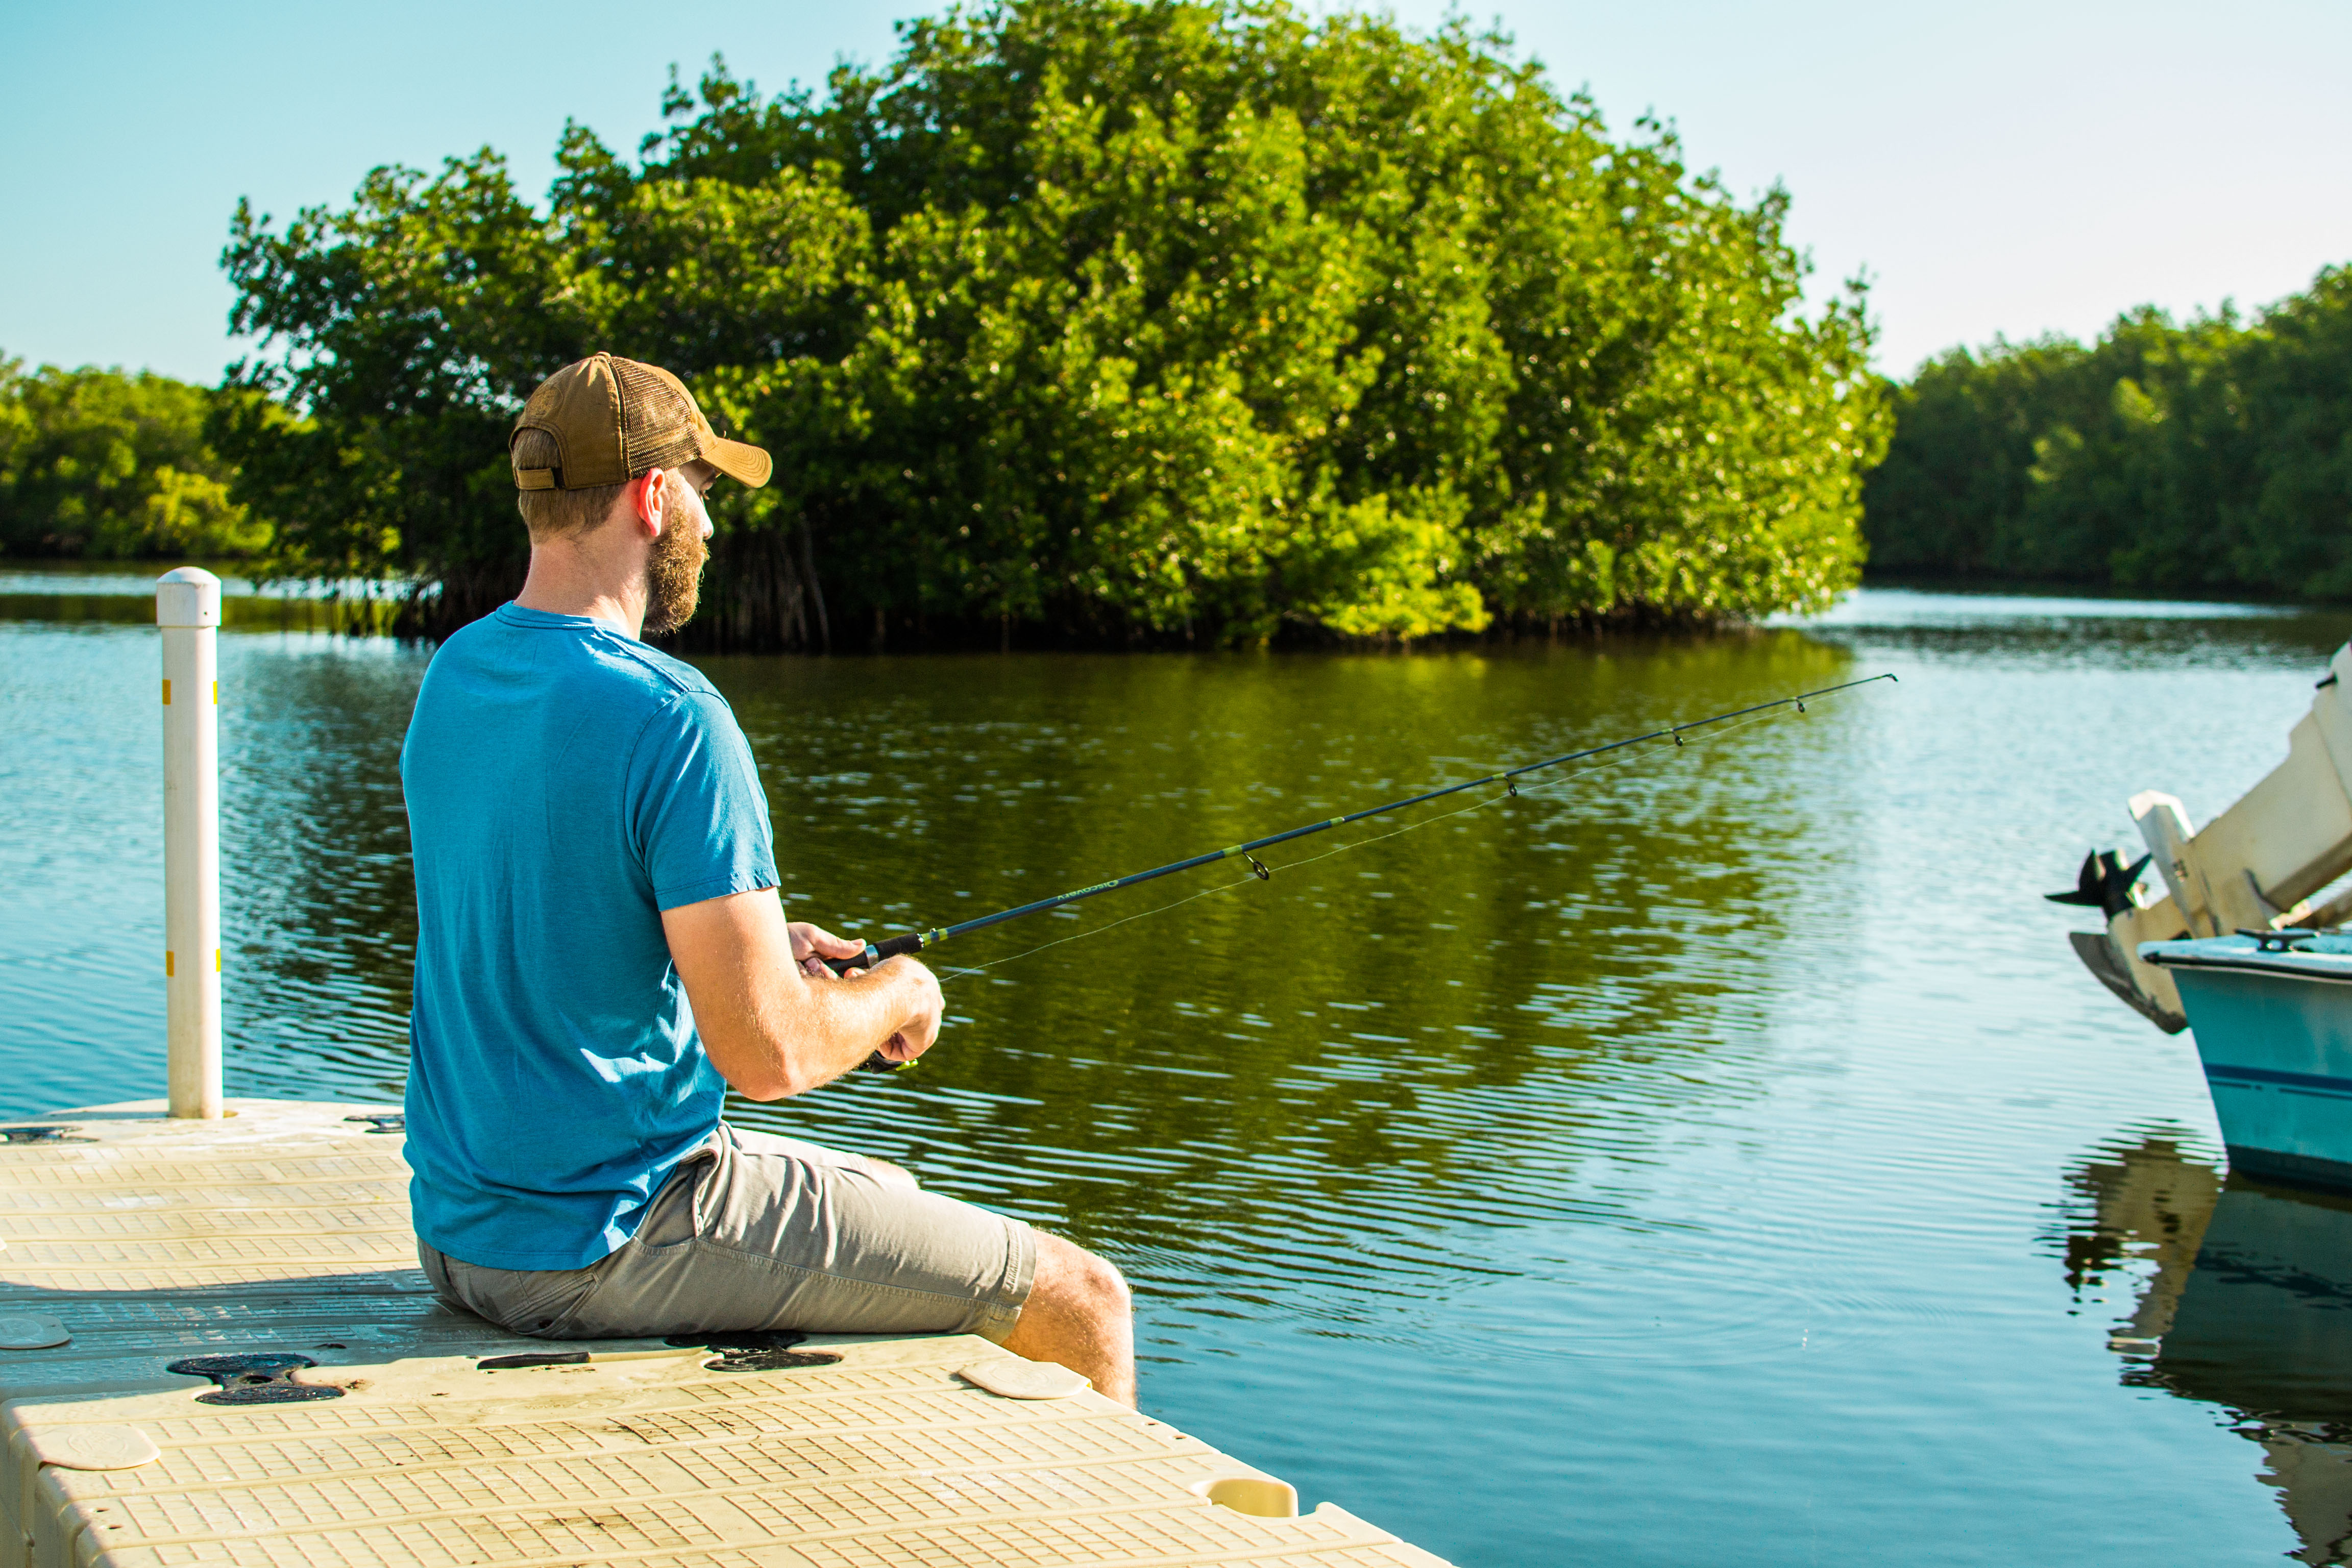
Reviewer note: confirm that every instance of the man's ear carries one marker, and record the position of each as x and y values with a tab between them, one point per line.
649	494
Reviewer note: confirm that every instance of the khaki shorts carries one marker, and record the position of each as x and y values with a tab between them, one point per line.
753	1231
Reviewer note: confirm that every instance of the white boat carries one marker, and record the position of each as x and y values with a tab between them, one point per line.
2234	950
2272	1016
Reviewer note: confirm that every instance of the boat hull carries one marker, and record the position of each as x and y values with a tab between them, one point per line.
2277	1044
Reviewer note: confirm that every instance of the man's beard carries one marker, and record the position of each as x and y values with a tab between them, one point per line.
674	570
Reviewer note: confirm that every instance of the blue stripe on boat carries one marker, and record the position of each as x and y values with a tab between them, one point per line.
2218	1073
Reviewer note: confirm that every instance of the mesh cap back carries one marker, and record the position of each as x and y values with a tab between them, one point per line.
612	419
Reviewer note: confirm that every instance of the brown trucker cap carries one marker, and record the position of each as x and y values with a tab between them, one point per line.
614	419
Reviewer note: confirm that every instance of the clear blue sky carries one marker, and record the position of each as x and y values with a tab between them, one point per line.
2007	168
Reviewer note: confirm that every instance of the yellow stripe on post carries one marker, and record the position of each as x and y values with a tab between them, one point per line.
167	692
167	963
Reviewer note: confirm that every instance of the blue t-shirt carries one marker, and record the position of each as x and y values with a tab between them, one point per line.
566	784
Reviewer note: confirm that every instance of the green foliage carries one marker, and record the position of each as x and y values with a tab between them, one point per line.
1116	319
2214	456
98	463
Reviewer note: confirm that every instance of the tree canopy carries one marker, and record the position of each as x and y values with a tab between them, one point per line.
2210	456
1109	319
100	464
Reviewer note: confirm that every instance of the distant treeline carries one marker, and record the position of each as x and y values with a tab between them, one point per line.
100	464
2211	457
1105	320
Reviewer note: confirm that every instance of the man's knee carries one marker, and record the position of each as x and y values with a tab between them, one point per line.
1073	1279
1079	1314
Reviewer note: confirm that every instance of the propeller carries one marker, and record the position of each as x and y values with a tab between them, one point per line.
2105	883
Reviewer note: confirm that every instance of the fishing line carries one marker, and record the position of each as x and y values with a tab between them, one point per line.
1516	794
1097	931
1746	719
915	941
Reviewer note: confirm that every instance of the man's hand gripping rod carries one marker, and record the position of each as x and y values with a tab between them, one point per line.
874	954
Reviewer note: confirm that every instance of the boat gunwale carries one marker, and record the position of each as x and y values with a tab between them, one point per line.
2272	966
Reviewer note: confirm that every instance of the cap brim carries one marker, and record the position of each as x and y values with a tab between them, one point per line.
740	461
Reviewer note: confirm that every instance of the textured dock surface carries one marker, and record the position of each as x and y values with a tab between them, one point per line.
283	1232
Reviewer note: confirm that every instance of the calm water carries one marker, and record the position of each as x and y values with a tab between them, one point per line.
1723	1157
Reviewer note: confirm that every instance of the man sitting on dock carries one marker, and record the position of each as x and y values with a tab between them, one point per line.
602	951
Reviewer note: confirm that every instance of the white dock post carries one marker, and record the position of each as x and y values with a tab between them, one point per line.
188	609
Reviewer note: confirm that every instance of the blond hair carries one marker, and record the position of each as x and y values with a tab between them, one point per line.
557	514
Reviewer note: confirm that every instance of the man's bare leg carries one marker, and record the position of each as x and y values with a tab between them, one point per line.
1078	1315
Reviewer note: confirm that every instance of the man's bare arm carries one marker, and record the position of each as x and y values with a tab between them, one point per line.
772	1030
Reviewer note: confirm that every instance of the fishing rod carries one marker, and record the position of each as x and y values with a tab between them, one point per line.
917	942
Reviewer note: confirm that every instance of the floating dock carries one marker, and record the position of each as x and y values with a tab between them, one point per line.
215	1348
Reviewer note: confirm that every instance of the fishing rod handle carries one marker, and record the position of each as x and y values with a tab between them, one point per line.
875	952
